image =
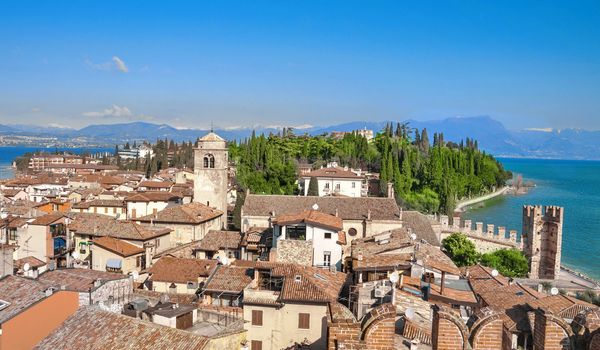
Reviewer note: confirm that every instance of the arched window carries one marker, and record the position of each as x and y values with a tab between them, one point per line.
209	161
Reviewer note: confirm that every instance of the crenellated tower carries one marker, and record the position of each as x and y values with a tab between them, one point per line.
542	240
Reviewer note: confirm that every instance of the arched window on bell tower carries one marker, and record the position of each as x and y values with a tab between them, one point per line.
209	161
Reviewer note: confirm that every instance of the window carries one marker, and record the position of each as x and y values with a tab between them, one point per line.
337	187
327	185
352	232
256	345
303	321
105	210
327	235
353	184
138	261
257	318
114	210
209	161
297	232
326	258
157	242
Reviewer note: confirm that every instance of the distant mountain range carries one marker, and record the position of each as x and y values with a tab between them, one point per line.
492	136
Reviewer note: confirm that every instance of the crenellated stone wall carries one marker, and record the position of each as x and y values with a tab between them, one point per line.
487	238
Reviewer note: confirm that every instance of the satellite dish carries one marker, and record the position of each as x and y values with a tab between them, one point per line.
135	275
76	255
26	267
410	313
315	206
494	272
225	261
394	277
413	236
554	291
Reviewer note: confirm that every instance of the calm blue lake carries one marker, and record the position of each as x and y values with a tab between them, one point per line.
572	184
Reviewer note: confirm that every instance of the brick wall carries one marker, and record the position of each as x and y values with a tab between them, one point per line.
379	328
487	333
448	330
551	332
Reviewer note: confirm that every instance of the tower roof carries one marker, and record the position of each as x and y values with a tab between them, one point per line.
211	136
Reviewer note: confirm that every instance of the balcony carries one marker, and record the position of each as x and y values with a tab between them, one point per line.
58	230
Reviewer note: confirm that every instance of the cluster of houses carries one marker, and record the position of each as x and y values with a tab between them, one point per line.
114	260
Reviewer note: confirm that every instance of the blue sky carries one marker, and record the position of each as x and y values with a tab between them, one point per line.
527	64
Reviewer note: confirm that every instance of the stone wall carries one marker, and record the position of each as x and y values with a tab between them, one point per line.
542	237
118	292
295	251
487	238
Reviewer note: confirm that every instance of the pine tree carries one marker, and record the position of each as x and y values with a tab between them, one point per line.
313	187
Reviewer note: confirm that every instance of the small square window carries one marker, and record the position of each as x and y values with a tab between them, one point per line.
327	235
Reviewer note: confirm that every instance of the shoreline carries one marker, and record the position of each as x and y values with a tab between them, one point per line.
460	207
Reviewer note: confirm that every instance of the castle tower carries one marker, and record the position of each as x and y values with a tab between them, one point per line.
210	172
542	240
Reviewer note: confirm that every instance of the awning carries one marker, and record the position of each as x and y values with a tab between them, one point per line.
113	263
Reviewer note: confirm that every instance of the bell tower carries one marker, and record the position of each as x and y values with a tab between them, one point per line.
210	172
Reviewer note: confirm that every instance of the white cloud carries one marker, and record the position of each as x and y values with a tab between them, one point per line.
116	64
540	129
35	109
120	64
113	111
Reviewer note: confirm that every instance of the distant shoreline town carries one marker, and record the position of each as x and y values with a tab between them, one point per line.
340	241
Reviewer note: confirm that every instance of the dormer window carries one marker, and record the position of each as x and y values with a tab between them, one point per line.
297	278
209	161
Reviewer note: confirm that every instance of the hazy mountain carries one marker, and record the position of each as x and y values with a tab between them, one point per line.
491	135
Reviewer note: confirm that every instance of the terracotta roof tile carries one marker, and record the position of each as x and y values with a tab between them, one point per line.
98	225
118	246
179	270
80	280
47	219
160	196
191	213
232	279
20	293
215	240
90	328
335	172
348	208
313	217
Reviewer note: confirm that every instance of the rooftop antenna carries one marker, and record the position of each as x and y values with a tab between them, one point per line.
212	127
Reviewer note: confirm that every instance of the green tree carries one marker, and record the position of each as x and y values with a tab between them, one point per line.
509	262
460	249
313	187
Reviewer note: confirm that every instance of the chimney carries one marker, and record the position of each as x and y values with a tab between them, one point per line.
336	212
369	214
390	190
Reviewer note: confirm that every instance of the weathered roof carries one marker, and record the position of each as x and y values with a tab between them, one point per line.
562	305
156	184
230	279
381	261
380	243
20	293
312	217
181	270
191	213
334	172
100	203
47	219
80	280
420	225
102	225
158	196
348	208
118	246
215	240
31	260
90	328
210	137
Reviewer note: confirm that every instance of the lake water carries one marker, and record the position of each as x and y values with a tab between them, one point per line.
8	154
574	185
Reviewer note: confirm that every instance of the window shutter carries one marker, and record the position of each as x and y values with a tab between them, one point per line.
257	317
256	345
303	321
